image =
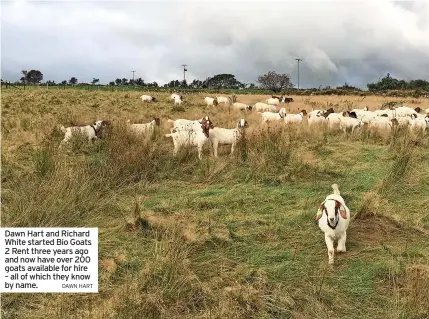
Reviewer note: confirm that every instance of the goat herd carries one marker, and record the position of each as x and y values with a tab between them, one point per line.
198	132
333	215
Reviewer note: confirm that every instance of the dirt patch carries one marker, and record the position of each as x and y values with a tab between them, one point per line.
374	229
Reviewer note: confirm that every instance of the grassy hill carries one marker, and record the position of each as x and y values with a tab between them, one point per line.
232	237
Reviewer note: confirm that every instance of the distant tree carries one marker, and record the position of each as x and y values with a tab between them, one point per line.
274	81
139	82
251	86
32	77
94	81
174	83
73	80
64	82
346	86
112	83
24	78
132	82
195	84
227	81
184	83
124	81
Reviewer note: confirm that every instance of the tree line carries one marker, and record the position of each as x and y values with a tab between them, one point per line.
273	81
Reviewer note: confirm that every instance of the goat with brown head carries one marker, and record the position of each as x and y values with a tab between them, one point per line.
206	125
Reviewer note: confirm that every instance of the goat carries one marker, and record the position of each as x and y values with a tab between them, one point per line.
211	101
334	120
241	106
287	99
295	118
147	128
383	123
349	121
148	98
176	98
273	101
270	116
319	117
222	99
192	138
333	217
185	125
263	107
92	131
418	124
227	136
404	111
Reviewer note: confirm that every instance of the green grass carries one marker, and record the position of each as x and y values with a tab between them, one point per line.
232	237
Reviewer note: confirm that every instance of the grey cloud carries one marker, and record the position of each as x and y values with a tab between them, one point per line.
354	42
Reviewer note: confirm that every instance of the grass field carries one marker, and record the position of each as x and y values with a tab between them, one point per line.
232	237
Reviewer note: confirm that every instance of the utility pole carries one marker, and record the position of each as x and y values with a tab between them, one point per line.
298	70
184	70
133	75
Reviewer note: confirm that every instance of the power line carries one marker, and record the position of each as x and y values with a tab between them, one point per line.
298	70
133	75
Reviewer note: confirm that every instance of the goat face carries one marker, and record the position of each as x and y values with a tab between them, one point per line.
154	99
332	209
249	107
328	111
304	112
242	123
206	125
417	109
157	121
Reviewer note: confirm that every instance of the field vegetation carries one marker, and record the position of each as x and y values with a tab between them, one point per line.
227	237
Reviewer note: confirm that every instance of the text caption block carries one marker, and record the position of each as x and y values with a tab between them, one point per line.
48	260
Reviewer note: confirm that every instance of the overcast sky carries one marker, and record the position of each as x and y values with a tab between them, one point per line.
339	41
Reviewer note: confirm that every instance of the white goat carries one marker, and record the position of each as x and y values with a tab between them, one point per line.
192	138
176	98
264	107
241	106
185	125
211	101
333	218
334	120
270	116
383	123
418	124
222	99
348	121
227	136
146	128
295	118
404	111
272	101
148	98
91	131
317	117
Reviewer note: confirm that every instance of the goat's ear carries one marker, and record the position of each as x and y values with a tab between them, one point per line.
337	204
320	212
